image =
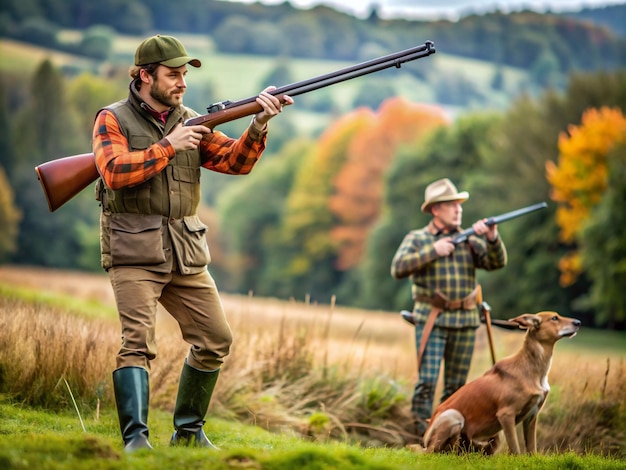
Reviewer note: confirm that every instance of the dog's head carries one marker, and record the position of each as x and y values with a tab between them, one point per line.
551	324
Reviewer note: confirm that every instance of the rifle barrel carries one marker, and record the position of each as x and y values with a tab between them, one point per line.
465	234
395	59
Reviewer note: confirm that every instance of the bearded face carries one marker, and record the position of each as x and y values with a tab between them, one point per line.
168	86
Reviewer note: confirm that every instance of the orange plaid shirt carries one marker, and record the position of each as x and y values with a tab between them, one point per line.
120	167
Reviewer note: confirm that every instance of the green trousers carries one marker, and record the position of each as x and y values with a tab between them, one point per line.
452	346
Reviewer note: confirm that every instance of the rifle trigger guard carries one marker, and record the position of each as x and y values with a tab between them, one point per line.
218	106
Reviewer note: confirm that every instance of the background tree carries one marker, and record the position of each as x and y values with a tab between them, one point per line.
280	75
373	92
38	30
307	220
233	35
546	71
97	42
358	187
586	176
604	242
9	219
251	216
46	129
6	147
580	177
303	35
272	43
90	93
523	140
457	90
131	17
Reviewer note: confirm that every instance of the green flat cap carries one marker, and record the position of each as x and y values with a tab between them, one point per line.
164	50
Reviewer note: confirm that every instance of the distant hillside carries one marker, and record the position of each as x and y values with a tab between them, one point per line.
482	61
525	39
613	17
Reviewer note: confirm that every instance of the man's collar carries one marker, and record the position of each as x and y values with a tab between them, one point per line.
436	231
158	115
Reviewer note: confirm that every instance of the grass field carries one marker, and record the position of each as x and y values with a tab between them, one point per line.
307	386
34	439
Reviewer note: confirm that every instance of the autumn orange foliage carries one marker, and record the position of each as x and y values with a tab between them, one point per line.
307	217
579	179
358	186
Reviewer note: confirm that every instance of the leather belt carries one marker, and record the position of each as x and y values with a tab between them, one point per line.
439	303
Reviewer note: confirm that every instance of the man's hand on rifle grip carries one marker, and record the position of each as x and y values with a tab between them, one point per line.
444	246
272	106
187	137
481	228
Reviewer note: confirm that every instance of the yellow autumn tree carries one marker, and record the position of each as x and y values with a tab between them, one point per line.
579	178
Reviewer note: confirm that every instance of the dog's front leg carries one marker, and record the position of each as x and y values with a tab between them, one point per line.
507	421
530	434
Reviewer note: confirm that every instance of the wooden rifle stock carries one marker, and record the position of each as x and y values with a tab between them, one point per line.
64	178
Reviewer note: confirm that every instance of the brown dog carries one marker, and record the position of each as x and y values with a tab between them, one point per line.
513	390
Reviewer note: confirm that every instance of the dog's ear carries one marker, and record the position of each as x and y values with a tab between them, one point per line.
527	320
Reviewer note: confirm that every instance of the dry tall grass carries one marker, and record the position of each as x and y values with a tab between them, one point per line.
321	371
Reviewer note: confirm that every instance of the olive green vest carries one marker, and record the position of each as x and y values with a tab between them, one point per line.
154	224
174	192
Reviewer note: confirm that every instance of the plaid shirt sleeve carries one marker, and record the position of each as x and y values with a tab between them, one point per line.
232	156
488	255
416	250
118	166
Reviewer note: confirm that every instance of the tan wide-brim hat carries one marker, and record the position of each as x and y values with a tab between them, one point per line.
440	191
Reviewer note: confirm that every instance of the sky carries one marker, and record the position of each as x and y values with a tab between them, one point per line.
449	9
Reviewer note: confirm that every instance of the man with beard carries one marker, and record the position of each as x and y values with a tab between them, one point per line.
153	244
444	290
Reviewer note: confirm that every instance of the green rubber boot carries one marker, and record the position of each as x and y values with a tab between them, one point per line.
192	402
132	395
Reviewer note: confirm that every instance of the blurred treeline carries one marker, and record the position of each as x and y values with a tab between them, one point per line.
549	44
323	214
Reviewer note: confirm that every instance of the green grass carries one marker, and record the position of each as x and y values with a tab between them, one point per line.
39	439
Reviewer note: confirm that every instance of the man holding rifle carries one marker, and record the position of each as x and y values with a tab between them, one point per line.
153	244
444	290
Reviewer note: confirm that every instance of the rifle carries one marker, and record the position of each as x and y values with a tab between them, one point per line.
64	178
464	235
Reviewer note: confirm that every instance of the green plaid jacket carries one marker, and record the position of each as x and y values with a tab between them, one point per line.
453	275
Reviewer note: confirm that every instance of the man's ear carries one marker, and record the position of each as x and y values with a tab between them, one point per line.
144	76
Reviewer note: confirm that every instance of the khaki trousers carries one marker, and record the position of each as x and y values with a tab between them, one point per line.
193	300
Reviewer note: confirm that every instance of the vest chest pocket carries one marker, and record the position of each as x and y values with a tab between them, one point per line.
136	240
140	142
186	174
